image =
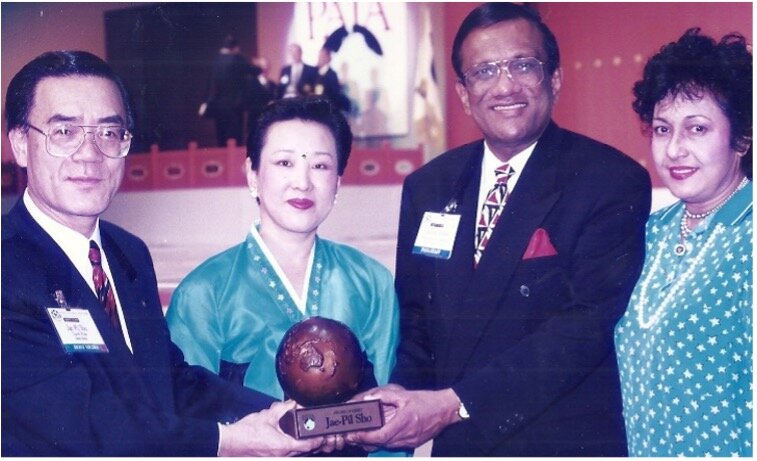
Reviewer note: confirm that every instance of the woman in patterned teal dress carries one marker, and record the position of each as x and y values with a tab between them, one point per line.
230	313
685	343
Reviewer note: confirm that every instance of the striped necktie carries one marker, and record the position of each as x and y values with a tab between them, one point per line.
102	285
491	211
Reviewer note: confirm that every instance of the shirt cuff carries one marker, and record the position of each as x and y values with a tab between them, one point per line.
220	439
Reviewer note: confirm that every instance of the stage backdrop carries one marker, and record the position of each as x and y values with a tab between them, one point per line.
371	58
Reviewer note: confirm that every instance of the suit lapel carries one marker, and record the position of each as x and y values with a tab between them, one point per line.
61	275
528	205
452	275
144	321
126	280
455	274
58	273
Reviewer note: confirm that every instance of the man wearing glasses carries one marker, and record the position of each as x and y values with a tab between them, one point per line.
516	256
88	368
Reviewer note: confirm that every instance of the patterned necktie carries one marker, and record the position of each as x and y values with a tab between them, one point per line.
102	285
491	210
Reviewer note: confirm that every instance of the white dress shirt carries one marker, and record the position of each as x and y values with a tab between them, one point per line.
490	163
76	247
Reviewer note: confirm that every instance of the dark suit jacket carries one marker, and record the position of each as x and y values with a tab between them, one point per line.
258	97
526	344
306	85
229	82
113	404
328	85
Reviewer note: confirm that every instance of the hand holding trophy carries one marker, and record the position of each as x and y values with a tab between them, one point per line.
320	364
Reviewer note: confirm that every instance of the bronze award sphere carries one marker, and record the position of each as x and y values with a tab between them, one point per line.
319	362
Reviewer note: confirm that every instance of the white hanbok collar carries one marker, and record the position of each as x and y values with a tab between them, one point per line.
300	299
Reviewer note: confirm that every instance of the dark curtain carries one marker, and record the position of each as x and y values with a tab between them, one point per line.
164	53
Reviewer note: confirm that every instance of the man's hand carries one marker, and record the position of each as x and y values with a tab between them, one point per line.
411	418
259	434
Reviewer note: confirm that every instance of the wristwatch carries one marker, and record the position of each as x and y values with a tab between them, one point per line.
462	412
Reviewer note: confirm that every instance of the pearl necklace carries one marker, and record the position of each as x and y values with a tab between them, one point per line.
691	215
679	284
682	247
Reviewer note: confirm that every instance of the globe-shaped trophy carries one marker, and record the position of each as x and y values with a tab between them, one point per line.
320	364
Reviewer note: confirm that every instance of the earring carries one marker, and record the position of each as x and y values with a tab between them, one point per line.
335	196
254	192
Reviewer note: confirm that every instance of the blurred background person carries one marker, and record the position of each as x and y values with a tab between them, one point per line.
327	82
230	313
228	84
260	92
685	343
297	78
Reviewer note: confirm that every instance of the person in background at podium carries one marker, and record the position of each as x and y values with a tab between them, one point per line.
88	368
685	342
231	312
227	92
260	92
296	78
327	82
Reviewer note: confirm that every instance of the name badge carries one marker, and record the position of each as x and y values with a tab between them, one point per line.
436	235
77	330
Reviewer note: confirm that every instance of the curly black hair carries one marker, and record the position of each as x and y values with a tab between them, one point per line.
695	65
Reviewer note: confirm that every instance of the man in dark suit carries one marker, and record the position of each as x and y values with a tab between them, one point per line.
507	328
88	367
228	89
260	92
296	78
327	82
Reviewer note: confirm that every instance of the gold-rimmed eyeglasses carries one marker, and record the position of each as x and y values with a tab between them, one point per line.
63	139
527	72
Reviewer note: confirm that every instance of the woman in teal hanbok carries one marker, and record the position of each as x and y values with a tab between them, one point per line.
230	313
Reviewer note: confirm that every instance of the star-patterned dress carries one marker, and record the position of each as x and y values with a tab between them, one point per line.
684	345
231	312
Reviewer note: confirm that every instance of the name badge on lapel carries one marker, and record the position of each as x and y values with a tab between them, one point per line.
436	235
75	327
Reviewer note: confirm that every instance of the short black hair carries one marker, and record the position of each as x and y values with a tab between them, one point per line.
695	65
489	14
22	88
306	108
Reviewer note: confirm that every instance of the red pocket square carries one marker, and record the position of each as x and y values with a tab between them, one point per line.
539	245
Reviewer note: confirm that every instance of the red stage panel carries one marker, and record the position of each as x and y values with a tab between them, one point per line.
235	170
381	166
138	173
209	167
172	169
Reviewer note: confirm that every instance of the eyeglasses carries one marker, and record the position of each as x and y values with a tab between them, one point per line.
526	72
64	139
